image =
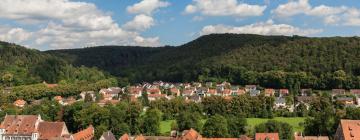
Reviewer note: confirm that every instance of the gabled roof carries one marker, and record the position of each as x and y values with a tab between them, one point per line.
48	130
139	137
124	137
108	136
190	135
350	129
20	102
20	124
267	136
86	134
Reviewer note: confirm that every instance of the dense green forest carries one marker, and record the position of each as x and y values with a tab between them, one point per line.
270	61
25	69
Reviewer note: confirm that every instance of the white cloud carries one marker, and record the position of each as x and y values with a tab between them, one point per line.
263	28
72	24
292	8
14	34
224	8
147	6
140	23
340	15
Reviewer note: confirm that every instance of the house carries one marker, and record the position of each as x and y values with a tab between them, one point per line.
306	100
124	137
254	92
267	136
234	91
7	90
153	91
153	97
107	136
212	92
348	130
188	92
269	92
220	88
355	92
190	135
335	92
20	103
306	92
31	127
311	138
249	88
110	93
280	102
226	92
136	91
69	100
175	91
202	91
90	93
283	92
345	100
86	134
197	84
59	99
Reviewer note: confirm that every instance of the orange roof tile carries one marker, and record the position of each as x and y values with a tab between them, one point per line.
48	130
124	137
86	134
267	136
350	129
20	102
19	124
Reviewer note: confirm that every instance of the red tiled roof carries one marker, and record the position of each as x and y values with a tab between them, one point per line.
154	90
350	129
267	136
284	91
311	138
19	124
48	130
139	137
124	137
227	91
174	90
20	102
355	91
58	98
269	91
212	91
86	134
191	135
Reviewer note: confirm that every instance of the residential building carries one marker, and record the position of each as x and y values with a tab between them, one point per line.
31	127
267	136
348	130
283	92
269	92
254	92
249	88
153	97
90	93
335	92
107	136
280	102
20	103
175	91
345	100
86	134
306	92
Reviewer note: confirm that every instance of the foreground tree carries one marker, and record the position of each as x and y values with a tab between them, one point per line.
187	120
216	127
284	129
151	125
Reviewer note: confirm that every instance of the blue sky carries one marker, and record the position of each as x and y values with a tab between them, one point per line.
60	24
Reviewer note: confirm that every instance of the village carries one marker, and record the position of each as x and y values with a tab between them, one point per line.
196	91
26	127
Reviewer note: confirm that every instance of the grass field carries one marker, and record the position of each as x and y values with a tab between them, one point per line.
165	126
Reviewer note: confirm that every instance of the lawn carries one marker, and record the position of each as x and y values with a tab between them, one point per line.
165	126
294	121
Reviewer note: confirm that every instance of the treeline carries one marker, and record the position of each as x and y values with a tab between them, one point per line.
23	66
274	61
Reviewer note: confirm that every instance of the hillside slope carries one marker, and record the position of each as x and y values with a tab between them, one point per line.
276	61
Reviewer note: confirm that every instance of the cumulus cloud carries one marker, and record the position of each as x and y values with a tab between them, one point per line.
337	15
224	8
14	34
263	28
72	24
147	6
140	23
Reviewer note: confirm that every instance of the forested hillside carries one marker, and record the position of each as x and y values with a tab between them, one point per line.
273	61
25	69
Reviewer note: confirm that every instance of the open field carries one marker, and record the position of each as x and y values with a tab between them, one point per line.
165	126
